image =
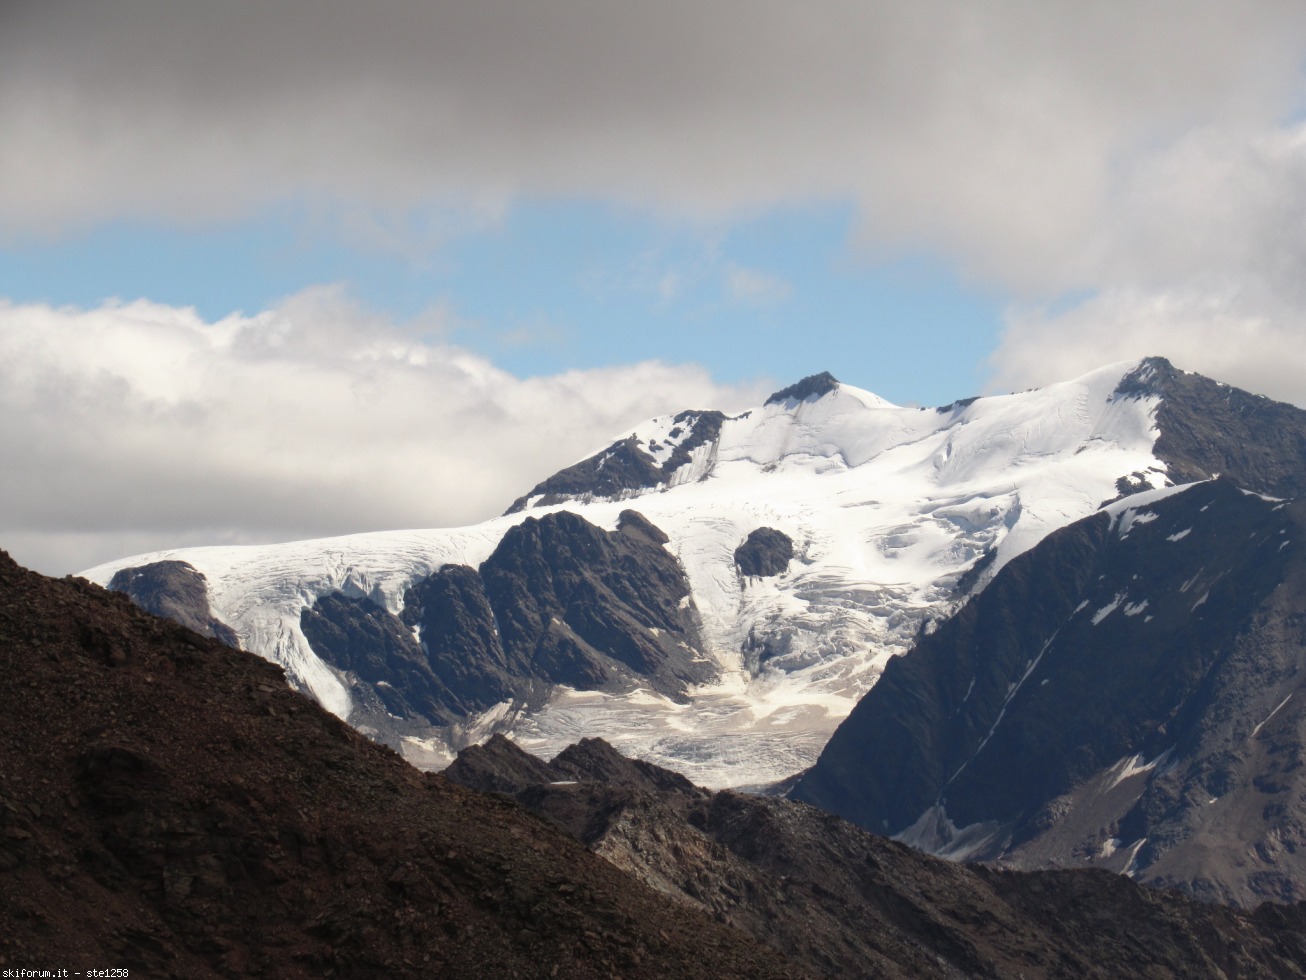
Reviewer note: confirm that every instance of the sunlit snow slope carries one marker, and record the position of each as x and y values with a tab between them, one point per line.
887	508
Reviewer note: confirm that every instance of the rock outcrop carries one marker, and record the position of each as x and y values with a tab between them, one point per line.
175	590
764	553
559	602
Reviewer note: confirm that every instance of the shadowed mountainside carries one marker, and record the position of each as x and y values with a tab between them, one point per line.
1128	693
1207	428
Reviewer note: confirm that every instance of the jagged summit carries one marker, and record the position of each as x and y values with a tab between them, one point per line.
1148	378
1207	428
811	387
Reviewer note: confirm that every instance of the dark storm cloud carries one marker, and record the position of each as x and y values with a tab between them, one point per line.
997	129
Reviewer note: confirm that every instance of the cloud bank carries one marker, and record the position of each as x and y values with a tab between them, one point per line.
140	426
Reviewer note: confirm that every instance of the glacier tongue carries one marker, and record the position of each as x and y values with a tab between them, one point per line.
887	508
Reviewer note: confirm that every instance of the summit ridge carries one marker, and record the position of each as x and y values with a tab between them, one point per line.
811	387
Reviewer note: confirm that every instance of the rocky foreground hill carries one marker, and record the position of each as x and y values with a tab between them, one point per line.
842	902
169	806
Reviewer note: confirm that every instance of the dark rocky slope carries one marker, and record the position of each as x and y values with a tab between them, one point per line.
1130	693
846	903
380	654
168	806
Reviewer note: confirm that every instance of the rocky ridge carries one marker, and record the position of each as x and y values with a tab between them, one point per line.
765	553
627	467
846	903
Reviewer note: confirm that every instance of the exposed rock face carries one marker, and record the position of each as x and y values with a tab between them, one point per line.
560	601
626	466
355	635
1129	694
811	387
764	553
1208	428
175	590
169	807
451	613
588	608
843	902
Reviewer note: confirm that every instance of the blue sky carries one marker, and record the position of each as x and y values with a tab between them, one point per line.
283	268
552	286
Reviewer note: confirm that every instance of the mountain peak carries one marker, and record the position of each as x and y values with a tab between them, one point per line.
811	387
1147	378
1205	427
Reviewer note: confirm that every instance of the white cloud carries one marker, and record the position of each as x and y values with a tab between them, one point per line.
1203	266
141	426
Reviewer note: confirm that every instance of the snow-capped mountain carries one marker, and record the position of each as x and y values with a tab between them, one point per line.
892	516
